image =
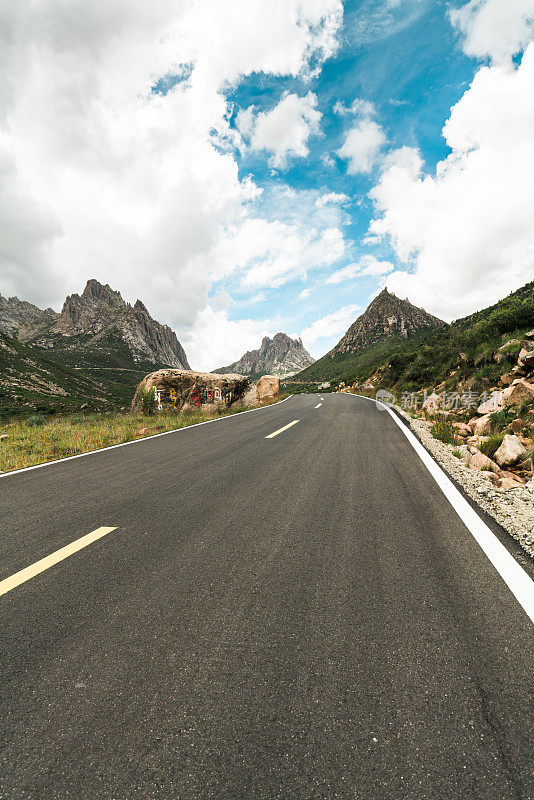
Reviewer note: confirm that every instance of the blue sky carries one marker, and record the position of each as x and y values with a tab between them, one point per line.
252	166
409	65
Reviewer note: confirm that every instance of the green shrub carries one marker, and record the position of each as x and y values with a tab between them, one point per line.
443	430
457	453
490	446
148	400
35	419
500	419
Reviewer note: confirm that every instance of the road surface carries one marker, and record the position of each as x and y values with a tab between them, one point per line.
300	617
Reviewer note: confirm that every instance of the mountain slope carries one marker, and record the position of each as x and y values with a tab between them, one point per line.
387	315
465	353
386	323
97	337
280	355
31	381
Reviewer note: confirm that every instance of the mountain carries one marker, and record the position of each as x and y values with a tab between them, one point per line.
97	336
100	313
280	355
387	315
474	353
385	323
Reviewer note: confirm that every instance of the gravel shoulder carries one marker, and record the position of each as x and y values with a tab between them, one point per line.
512	508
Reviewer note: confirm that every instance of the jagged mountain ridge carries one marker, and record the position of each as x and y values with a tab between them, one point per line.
385	316
88	319
280	355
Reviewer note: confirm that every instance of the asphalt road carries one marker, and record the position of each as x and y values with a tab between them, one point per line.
299	617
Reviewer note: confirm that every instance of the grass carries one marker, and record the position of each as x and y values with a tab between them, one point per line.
490	445
443	430
31	442
457	453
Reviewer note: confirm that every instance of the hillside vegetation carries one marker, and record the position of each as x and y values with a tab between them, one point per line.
463	352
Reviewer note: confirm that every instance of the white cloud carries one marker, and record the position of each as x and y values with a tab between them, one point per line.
214	340
364	141
497	29
359	106
305	293
367	266
467	230
106	179
284	131
330	326
334	198
273	253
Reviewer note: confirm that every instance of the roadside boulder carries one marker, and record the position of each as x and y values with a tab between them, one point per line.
182	390
510	451
268	387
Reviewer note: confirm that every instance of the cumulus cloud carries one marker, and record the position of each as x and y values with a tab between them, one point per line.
367	266
466	231
214	340
331	325
364	141
497	29
108	176
284	130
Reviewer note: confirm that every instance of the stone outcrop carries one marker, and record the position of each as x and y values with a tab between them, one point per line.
385	316
184	390
280	355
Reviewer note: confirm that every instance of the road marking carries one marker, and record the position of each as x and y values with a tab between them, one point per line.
518	581
54	558
144	439
318	405
281	430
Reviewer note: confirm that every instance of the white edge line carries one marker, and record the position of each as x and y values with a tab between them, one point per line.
142	439
512	573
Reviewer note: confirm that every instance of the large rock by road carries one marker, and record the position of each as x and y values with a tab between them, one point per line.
182	390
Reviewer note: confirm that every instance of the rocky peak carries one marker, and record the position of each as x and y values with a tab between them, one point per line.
385	316
280	355
23	320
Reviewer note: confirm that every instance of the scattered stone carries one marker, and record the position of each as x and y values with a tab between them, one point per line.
432	403
494	403
482	425
143	431
516	425
510	504
479	461
525	359
462	429
510	451
519	391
